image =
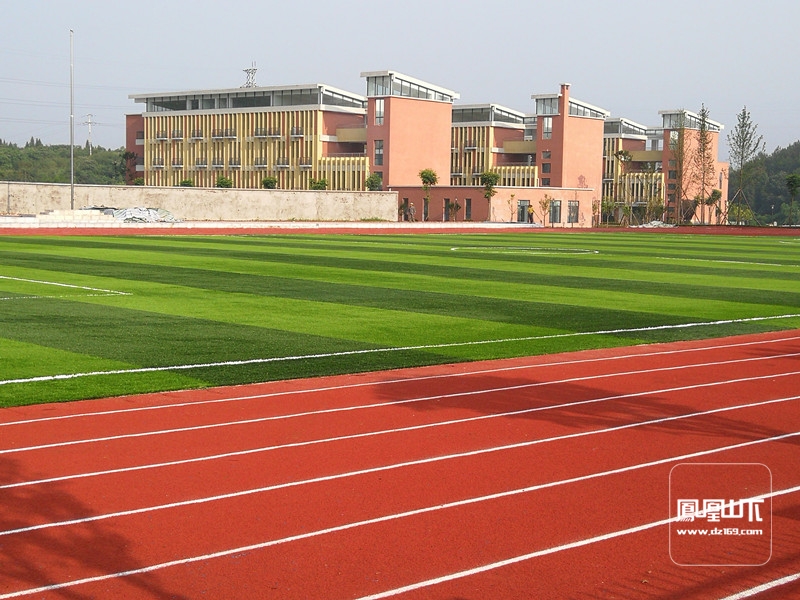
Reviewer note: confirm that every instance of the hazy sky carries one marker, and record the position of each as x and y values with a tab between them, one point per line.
632	58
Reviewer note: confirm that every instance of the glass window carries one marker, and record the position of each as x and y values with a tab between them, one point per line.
572	211
555	211
379	108
546	167
378	152
547	128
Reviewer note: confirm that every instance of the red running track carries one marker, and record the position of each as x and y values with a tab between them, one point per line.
542	477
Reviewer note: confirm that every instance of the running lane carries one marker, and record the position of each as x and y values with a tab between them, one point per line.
544	477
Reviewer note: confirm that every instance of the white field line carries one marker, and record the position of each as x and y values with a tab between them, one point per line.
463	374
435	459
570	546
277	359
719	260
763	587
443	397
261	449
425	510
96	291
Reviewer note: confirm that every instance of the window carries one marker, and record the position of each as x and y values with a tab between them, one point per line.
468	209
547	128
572	211
555	211
378	152
379	111
546	154
546	182
546	167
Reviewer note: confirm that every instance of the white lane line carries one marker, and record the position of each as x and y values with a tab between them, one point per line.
763	587
569	362
277	359
415	512
439	397
67	285
360	435
553	550
471	453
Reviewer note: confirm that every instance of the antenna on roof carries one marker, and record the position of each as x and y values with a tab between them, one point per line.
251	76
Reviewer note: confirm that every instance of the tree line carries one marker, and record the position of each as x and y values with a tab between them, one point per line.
37	162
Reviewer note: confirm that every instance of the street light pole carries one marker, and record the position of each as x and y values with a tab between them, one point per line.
71	125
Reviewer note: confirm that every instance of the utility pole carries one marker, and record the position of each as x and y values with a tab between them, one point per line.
89	123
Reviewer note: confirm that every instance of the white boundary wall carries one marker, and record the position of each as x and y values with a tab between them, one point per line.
203	204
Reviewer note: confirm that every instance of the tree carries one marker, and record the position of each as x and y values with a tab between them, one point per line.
224	182
318	184
744	146
270	182
793	185
489	180
186	183
544	206
680	155
704	162
429	178
374	182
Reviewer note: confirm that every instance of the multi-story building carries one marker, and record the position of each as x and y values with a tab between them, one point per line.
657	173
565	154
295	134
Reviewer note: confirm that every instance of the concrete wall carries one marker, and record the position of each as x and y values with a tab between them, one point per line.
204	204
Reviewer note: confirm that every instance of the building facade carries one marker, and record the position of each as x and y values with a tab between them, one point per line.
565	163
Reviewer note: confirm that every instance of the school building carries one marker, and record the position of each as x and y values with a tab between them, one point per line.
565	163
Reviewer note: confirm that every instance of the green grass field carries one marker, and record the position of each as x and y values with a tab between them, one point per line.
86	317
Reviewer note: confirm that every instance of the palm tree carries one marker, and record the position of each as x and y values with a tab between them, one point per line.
429	178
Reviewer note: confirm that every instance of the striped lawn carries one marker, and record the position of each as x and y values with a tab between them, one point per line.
85	317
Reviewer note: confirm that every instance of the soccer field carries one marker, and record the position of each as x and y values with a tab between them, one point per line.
86	317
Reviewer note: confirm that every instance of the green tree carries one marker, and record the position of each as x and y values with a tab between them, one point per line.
704	162
429	178
793	185
744	145
489	181
224	182
186	183
318	184
373	182
270	182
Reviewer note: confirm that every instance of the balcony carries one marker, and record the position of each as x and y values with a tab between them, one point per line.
352	134
297	132
265	132
235	163
470	145
158	162
177	163
217	163
519	147
177	134
197	134
305	162
161	135
282	162
260	162
201	163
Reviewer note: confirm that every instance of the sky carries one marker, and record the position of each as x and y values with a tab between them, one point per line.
632	58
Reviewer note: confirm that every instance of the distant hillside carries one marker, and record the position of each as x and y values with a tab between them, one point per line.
766	192
36	162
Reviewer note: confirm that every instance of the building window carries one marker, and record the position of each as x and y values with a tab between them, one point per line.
555	211
379	111
672	175
572	211
378	152
547	128
468	209
546	182
546	154
546	167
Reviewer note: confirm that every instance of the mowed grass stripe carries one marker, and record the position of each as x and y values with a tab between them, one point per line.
215	299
